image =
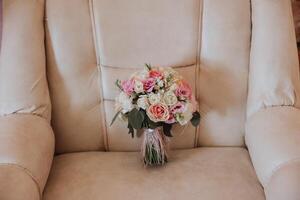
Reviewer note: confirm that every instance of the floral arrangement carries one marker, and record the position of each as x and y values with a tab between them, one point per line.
154	100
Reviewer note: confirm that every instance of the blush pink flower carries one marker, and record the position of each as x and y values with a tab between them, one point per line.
184	90
158	112
177	108
155	74
171	119
128	86
149	84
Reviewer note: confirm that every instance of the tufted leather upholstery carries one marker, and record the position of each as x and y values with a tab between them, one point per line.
85	58
59	60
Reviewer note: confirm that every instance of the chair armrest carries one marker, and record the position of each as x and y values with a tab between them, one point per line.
274	67
273	140
26	153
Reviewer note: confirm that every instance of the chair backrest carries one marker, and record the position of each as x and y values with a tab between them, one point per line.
224	48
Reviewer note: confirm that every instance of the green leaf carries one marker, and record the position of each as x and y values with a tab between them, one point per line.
195	119
118	84
153	125
115	117
167	129
148	123
148	66
130	130
136	118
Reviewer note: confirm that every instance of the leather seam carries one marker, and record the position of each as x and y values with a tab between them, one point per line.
197	68
28	173
280	166
249	69
29	114
97	50
136	68
19	111
1	24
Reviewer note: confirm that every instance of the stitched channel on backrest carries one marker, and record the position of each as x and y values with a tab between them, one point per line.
73	77
127	35
225	51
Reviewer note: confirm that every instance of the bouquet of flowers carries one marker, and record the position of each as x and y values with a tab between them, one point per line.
153	100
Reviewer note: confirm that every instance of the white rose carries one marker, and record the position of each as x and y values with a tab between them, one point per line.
160	83
138	86
124	102
170	98
186	116
180	119
142	102
154	98
173	87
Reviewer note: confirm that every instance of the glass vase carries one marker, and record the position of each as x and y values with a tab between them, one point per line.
154	147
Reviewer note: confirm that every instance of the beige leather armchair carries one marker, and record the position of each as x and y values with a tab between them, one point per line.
272	136
59	60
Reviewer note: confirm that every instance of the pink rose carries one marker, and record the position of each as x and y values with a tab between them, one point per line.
184	90
155	74
177	108
158	112
171	119
149	84
128	86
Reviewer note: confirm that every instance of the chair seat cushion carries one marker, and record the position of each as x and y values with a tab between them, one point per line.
201	173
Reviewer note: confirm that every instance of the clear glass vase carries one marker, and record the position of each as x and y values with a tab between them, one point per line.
154	147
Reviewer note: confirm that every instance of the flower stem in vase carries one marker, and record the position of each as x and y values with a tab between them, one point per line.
154	148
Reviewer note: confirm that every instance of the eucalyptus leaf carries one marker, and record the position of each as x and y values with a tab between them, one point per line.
115	117
154	125
148	66
136	118
167	130
118	84
130	130
195	119
151	124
